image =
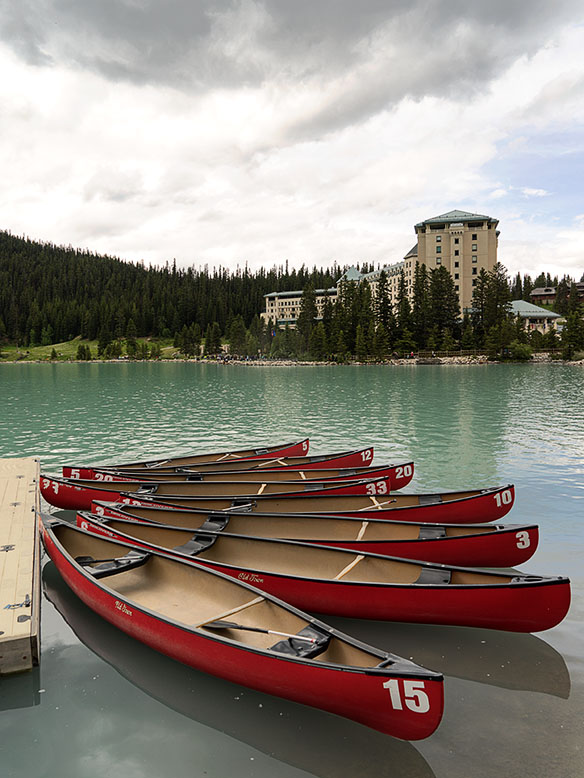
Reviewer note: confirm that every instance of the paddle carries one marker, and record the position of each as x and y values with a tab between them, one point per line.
234	625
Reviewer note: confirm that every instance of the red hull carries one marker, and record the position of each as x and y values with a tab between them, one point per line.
507	546
517	607
399	475
373	697
293	456
78	494
489	505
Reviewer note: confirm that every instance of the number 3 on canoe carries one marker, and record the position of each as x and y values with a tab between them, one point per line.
522	539
503	498
415	699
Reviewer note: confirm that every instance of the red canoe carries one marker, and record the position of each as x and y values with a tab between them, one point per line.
473	507
237	632
359	458
324	579
475	545
399	475
78	494
298	448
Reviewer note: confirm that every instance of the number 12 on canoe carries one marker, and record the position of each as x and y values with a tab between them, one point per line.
413	695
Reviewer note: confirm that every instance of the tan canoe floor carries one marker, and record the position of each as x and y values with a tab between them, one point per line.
19	565
310	562
300	528
255	476
194	597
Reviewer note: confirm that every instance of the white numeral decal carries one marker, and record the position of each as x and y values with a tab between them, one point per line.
99	510
74	473
366	455
377	488
402	471
414	697
305	446
523	539
503	498
103	477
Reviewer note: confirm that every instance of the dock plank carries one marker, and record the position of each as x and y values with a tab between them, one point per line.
19	565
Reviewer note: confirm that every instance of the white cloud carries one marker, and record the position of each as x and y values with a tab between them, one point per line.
254	173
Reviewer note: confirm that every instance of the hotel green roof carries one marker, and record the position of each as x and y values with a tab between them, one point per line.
457	216
531	311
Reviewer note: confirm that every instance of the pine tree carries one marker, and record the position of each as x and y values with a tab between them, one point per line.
403	309
444	305
421	311
237	337
561	304
318	342
308	313
381	347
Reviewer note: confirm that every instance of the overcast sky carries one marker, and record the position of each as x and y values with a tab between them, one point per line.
229	132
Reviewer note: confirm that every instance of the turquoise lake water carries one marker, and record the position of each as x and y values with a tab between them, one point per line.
103	704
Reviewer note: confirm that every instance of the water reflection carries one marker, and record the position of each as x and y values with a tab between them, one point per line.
20	691
508	660
323	745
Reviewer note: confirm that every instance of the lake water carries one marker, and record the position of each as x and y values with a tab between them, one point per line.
102	704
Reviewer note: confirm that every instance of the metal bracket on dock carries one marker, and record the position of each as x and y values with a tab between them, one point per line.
7	548
14	605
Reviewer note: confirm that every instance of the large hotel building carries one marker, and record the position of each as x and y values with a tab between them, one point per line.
462	242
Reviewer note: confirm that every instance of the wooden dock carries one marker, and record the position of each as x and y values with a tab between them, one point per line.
20	580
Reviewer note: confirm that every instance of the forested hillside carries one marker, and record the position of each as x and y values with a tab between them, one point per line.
53	293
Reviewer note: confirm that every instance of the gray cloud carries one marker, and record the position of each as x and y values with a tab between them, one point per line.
436	46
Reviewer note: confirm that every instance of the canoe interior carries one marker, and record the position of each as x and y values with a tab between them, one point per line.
313	562
255	476
193	596
298	527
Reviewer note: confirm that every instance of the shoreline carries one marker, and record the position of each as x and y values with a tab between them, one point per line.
479	359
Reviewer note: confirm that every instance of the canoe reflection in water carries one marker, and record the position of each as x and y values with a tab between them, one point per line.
514	661
322	744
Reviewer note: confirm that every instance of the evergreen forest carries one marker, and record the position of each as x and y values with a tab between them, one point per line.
51	294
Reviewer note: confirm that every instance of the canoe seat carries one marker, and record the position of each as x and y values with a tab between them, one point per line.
190	476
196	544
107	567
434	575
431	533
215	522
429	499
303	648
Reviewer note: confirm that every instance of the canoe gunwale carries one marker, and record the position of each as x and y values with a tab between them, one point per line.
521	580
399	665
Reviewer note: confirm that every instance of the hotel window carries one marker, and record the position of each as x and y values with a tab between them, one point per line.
474	282
474	259
438	260
438	249
456	241
456	288
474	271
474	247
438	238
456	264
456	252
474	236
456	275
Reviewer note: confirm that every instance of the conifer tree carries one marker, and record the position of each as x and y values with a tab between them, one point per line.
308	313
421	312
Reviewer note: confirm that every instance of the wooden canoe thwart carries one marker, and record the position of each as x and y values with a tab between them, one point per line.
399	475
339	582
298	448
477	545
78	493
233	630
474	506
356	458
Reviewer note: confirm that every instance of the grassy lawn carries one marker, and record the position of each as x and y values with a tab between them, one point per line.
65	351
